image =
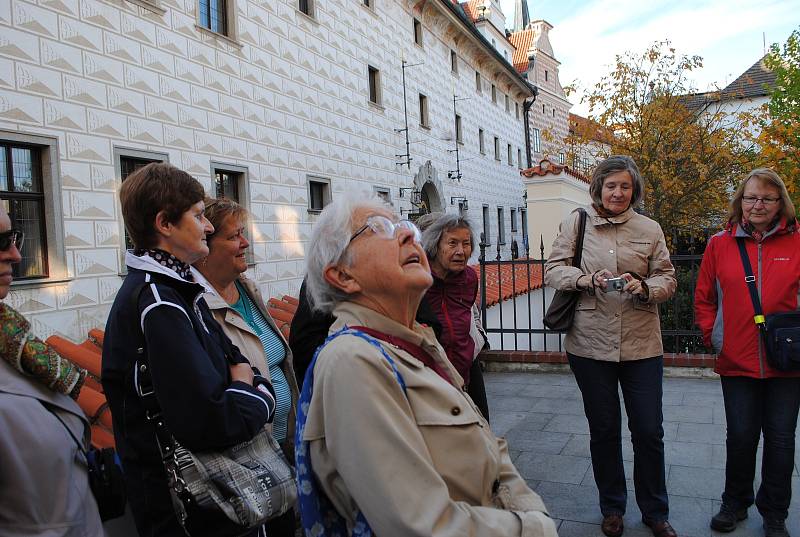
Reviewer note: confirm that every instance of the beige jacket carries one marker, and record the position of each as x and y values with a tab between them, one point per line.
422	463
44	481
250	345
614	326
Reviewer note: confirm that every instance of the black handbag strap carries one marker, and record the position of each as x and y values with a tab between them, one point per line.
578	255
750	280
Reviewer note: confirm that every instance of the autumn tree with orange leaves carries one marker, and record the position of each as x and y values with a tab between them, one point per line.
689	156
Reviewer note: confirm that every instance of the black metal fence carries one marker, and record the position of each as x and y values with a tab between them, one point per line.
515	323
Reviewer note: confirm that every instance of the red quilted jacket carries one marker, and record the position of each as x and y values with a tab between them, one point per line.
723	309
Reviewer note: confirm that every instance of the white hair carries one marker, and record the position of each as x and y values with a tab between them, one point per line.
328	246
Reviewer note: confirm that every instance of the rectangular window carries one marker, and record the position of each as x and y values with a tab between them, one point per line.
458	130
130	161
319	193
214	15
424	120
501	226
516	110
554	112
562	158
481	144
368	3
226	184
22	195
374	84
509	155
494	94
496	148
306	7
478	84
383	193
486	238
453	62
508	104
417	32
519	158
545	75
523	213
513	220
537	140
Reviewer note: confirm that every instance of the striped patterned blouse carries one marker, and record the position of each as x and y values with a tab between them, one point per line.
275	353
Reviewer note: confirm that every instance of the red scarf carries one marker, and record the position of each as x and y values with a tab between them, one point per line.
411	348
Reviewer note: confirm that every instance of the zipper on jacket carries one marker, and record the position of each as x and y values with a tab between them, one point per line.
758	331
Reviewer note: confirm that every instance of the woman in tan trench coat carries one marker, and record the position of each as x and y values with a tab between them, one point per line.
240	310
387	439
615	339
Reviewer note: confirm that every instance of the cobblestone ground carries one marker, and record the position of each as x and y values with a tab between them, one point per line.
541	416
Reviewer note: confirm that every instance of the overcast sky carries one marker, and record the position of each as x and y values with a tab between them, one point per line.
728	34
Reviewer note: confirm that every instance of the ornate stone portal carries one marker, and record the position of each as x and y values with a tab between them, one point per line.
427	182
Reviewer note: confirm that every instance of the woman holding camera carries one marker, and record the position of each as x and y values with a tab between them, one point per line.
615	338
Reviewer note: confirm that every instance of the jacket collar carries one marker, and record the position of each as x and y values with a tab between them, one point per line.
782	228
148	264
599	220
12	381
351	314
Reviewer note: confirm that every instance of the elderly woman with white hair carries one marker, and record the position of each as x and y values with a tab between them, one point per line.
387	442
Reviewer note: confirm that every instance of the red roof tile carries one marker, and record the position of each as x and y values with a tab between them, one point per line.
512	282
471	9
551	168
588	128
522	40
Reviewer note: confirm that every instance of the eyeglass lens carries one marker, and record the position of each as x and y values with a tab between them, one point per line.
12	236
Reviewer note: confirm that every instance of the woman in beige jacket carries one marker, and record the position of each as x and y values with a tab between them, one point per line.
615	338
239	308
388	442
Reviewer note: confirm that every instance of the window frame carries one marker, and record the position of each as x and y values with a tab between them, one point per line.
243	195
494	94
48	158
310	10
516	110
513	216
481	142
519	158
459	131
536	134
119	153
497	148
374	79
501	226
417	29
510	154
478	82
453	62
327	194
487	239
383	192
523	217
424	112
508	103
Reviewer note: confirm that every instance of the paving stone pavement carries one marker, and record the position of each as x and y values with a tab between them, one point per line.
541	416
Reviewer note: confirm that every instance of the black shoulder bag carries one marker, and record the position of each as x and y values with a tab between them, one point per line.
780	332
561	310
105	476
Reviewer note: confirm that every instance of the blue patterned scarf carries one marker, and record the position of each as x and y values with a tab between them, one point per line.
317	514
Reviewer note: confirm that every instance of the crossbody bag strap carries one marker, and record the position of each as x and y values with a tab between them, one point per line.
578	256
750	280
71	434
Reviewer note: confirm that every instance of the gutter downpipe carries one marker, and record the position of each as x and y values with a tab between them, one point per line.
526	106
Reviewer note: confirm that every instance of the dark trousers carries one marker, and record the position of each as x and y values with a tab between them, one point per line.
641	382
752	407
477	389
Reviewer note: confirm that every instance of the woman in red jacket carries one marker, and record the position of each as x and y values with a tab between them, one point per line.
758	398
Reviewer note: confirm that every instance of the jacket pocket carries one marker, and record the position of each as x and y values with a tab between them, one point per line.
644	306
586	302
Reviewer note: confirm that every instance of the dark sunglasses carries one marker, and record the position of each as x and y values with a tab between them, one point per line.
13	236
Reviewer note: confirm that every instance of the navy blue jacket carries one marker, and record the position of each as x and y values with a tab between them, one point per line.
201	407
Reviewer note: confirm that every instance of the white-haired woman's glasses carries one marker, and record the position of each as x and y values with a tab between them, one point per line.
386	229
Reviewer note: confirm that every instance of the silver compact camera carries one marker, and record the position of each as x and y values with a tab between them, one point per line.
615	284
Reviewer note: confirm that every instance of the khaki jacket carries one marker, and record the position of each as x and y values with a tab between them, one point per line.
417	464
44	481
614	326
250	345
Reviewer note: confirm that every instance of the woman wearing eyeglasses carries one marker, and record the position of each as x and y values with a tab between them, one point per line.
386	438
240	310
758	399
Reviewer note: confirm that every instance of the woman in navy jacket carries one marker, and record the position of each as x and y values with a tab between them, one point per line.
209	398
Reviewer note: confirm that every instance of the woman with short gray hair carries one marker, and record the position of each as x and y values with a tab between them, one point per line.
449	242
615	338
387	442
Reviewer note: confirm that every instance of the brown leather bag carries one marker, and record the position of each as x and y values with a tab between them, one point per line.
561	310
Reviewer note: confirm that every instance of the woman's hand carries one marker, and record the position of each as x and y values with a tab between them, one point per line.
600	278
634	286
242	373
